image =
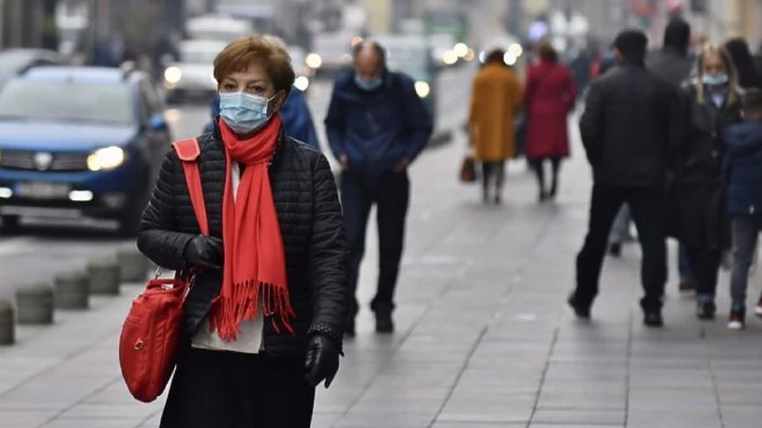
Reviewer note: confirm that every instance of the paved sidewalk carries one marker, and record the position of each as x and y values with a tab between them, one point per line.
484	337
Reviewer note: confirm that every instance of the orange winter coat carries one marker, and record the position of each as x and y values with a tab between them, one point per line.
495	100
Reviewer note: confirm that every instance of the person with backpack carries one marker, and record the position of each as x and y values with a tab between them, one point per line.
263	320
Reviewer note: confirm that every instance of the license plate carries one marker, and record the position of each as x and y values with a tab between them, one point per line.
35	190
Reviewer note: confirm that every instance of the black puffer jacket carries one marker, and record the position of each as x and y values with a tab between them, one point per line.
311	225
630	127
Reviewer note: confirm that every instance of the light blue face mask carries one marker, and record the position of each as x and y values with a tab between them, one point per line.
244	113
715	79
368	84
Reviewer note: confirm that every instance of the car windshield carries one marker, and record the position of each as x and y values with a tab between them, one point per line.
66	101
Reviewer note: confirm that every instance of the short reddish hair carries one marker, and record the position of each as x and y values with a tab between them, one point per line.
265	50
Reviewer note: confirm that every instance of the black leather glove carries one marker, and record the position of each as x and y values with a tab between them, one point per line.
204	251
322	361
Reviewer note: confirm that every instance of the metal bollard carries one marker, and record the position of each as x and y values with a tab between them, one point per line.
72	291
104	277
7	326
34	305
133	265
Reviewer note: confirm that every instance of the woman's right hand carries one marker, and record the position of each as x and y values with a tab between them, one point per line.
205	252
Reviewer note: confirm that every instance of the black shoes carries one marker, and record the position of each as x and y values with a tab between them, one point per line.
580	309
706	310
653	319
384	323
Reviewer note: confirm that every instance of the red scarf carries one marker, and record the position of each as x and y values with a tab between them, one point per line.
255	262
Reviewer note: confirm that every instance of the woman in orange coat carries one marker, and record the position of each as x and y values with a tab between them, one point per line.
495	99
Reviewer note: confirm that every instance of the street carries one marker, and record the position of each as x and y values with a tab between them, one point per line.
484	337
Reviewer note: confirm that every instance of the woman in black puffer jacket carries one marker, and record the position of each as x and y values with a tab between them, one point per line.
263	320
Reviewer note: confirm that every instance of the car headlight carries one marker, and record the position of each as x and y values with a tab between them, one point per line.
302	83
422	89
313	60
173	75
106	158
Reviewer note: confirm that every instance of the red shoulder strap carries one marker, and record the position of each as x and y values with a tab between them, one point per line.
188	151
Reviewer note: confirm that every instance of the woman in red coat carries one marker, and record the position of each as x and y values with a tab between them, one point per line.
549	98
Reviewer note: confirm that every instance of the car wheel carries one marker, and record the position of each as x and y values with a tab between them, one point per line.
10	223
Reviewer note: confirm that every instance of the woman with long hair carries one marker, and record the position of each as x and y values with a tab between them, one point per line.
712	104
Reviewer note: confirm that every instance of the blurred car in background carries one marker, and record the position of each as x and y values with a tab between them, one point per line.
193	74
222	28
79	142
17	61
303	72
331	52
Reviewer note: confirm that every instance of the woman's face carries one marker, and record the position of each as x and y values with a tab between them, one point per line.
713	65
254	81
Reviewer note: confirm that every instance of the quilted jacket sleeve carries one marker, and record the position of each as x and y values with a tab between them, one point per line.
328	256
157	238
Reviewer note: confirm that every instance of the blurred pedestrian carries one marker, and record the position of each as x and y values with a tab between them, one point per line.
495	100
743	172
748	74
376	125
673	64
712	104
550	96
276	231
627	130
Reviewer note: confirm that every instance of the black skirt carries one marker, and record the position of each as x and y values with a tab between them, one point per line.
236	390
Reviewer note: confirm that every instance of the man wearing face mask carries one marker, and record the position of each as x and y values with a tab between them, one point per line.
376	126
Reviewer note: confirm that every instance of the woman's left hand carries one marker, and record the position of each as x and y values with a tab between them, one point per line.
322	361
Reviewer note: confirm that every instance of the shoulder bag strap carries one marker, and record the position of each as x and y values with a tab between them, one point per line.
188	151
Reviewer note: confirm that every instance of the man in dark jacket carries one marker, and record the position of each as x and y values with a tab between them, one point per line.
376	125
673	65
626	131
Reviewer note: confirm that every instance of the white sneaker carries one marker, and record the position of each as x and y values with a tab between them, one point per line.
736	325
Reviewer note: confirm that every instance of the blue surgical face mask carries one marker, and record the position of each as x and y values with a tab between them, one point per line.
715	79
245	113
368	84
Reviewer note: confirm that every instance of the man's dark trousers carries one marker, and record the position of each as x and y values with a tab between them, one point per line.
391	194
647	207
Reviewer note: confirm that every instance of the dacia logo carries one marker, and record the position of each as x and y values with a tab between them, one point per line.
43	160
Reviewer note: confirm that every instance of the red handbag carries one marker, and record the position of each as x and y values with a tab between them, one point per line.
152	330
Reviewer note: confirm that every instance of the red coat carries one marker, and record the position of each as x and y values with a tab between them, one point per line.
550	94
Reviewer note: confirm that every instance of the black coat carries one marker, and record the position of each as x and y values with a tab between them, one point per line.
311	224
629	127
700	189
